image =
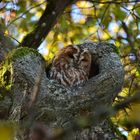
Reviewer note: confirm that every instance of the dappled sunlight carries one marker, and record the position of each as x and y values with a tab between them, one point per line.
116	22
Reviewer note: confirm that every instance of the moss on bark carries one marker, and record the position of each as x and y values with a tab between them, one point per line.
6	68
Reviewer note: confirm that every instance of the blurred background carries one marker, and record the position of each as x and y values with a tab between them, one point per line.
116	22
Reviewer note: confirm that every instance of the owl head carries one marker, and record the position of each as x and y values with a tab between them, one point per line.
71	65
75	56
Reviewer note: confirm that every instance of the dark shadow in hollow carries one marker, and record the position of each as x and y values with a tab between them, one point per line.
94	70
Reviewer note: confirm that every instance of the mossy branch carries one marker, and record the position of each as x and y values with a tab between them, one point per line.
56	105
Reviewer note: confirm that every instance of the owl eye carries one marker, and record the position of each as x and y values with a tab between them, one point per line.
70	56
84	60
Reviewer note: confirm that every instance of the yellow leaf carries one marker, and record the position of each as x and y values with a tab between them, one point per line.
6	32
124	92
92	29
84	4
7	130
117	43
59	37
82	20
38	14
70	34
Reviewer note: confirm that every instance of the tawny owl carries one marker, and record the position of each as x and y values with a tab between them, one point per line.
71	65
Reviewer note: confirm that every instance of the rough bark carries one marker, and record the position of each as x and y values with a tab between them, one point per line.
36	98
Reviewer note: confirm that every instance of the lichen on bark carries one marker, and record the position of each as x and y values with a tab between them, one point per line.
6	68
58	106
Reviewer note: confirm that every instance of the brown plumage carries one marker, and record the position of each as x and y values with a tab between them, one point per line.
71	65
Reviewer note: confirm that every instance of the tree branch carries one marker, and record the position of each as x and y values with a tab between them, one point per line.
56	105
112	2
53	11
25	13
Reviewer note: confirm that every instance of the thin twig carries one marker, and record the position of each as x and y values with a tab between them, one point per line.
25	13
104	13
113	2
12	38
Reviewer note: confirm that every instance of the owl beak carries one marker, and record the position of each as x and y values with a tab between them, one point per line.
75	64
71	64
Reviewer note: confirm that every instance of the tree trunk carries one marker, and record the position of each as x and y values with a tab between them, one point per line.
77	113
